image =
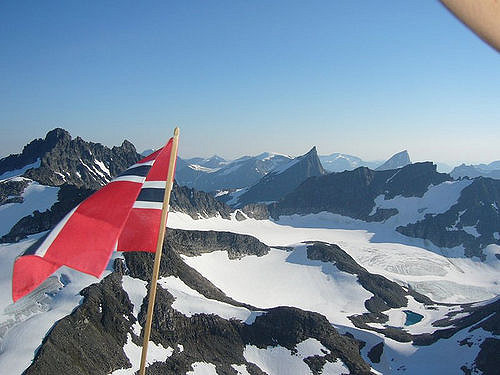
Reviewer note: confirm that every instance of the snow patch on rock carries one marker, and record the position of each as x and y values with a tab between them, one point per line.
36	197
276	360
202	368
190	302
156	353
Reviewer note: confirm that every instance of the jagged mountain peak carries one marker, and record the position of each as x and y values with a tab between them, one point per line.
283	179
397	160
308	160
312	151
59	159
57	134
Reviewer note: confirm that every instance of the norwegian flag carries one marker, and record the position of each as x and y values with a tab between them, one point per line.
124	215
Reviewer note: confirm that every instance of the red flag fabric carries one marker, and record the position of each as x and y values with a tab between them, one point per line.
124	215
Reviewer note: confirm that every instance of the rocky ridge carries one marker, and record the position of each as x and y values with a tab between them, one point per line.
64	160
353	193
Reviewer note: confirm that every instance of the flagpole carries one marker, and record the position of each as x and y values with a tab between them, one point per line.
159	247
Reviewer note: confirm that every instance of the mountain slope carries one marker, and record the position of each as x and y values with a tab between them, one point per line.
216	174
29	206
277	183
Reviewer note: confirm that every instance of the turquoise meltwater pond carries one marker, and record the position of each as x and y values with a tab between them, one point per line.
412	317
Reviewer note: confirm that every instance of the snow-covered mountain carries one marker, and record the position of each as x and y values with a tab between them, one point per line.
338	162
215	173
396	161
340	281
212	163
58	159
491	170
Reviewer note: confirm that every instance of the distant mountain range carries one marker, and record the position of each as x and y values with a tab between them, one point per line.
338	162
267	184
491	170
215	173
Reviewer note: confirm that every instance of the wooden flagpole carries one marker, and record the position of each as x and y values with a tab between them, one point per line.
159	247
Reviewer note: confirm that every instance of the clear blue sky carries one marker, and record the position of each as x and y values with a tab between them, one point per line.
368	78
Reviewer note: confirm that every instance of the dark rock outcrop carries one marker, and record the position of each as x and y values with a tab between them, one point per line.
387	294
91	339
376	352
11	190
488	360
194	243
288	326
257	211
33	151
197	204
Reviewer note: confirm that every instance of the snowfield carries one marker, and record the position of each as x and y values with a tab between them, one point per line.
18	172
288	278
35	197
190	302
374	246
276	360
437	199
281	277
